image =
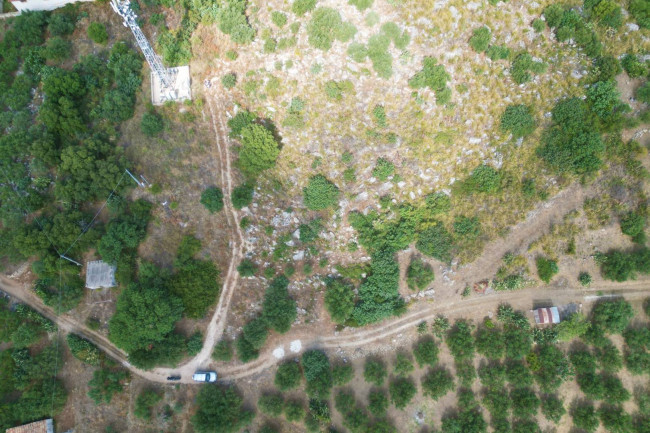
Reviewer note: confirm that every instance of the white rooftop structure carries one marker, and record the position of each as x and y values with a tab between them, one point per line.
100	275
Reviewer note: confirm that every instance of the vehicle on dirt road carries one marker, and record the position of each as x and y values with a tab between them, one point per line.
205	376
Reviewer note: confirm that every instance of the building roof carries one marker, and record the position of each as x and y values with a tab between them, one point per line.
100	275
44	426
547	315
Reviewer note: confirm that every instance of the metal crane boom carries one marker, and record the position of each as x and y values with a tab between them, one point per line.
123	9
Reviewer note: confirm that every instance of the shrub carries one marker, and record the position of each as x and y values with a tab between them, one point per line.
466	227
151	124
518	120
538	25
518	374
271	404
195	343
554	368
485	179
480	39
402	390
320	193
492	375
617	266
523	65
247	268
632	224
60	25
643	93
585	279
437	383
633	66
278	18
97	33
259	149
342	374
287	376
339	300
583	362
426	352
145	402
432	75
546	268
495	52
383	169
374	371
377	402
362	5
437	203
609	357
301	7
518	342
606	67
229	80
222	351
83	350
419	274
465	372
553	408
220	409
335	90
325	26
212	199
571	327
279	308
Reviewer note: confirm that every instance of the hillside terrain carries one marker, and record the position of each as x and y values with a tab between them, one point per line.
351	221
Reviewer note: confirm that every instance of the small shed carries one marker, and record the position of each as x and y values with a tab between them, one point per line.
545	316
44	426
100	275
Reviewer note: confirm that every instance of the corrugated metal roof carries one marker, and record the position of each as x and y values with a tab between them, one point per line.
45	426
100	275
546	315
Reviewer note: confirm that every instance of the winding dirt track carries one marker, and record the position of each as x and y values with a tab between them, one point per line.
537	222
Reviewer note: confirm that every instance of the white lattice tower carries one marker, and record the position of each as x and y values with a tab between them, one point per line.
123	9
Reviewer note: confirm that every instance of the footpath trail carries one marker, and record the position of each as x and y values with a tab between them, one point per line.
537	221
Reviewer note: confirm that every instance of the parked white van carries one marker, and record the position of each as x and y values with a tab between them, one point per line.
205	376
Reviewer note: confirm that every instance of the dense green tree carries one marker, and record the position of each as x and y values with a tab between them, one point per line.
553	408
554	368
524	402
105	384
402	390
604	100
279	308
572	327
403	365
585	416
242	195
60	25
426	351
374	371
342	374
485	179
492	375
287	376
320	193
609	357
377	402
572	144
220	410
97	33
339	299
57	49
612	315
151	124
490	341
258	151
437	382
615	419
316	369
145	314
212	199
546	268
460	342
435	241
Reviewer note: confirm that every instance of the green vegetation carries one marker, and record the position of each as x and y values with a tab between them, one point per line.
212	199
434	77
278	18
374	371
437	383
288	376
229	80
301	7
316	369
419	274
546	268
480	39
247	268
568	24
151	124
83	350
222	351
326	26
342	374
105	384
402	390
259	148
320	193
522	66
97	33
145	403
518	120
242	195
279	309
220	409
339	300
378	402
362	5
383	169
633	66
